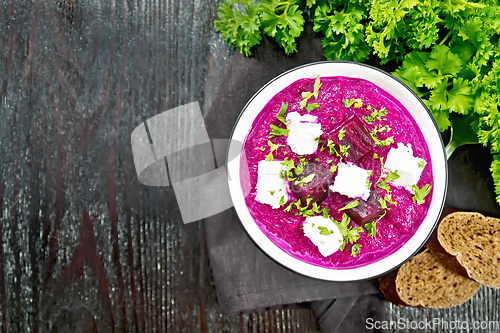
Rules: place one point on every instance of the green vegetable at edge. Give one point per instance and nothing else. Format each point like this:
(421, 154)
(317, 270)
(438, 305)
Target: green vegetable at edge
(448, 52)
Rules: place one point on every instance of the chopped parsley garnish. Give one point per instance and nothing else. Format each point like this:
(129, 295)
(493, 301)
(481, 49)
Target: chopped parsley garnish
(333, 168)
(305, 180)
(298, 169)
(420, 193)
(388, 198)
(281, 114)
(275, 130)
(421, 164)
(383, 203)
(349, 233)
(282, 201)
(384, 183)
(350, 205)
(341, 134)
(312, 106)
(355, 249)
(343, 149)
(392, 175)
(354, 102)
(378, 142)
(375, 115)
(274, 147)
(385, 128)
(333, 151)
(385, 200)
(289, 165)
(386, 142)
(262, 148)
(305, 211)
(371, 227)
(306, 94)
(324, 231)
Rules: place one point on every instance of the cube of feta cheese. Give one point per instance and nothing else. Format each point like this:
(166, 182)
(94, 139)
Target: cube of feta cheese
(351, 181)
(316, 227)
(271, 188)
(303, 133)
(408, 167)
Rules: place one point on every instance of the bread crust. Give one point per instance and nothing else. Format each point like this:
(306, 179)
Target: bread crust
(387, 285)
(424, 282)
(474, 241)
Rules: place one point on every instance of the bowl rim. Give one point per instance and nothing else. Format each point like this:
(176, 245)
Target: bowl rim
(332, 274)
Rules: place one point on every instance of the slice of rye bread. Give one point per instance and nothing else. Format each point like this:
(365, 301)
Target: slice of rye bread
(424, 282)
(474, 242)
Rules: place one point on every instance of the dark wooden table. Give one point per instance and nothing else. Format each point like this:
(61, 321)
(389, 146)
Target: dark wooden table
(84, 246)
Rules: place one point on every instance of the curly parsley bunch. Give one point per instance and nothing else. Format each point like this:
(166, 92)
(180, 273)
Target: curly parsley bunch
(241, 22)
(448, 51)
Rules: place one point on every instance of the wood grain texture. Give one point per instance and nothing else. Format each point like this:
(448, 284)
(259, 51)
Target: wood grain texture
(84, 246)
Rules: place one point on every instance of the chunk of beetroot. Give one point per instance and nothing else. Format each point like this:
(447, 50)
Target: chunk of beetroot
(317, 188)
(356, 137)
(366, 211)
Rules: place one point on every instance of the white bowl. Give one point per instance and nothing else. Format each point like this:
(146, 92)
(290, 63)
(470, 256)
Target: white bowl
(423, 119)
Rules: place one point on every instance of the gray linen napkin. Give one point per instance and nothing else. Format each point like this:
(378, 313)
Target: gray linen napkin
(245, 278)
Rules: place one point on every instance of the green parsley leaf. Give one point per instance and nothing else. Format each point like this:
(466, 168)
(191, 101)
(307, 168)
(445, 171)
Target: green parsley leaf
(388, 198)
(299, 169)
(350, 205)
(330, 144)
(371, 228)
(343, 149)
(392, 175)
(324, 231)
(349, 234)
(383, 203)
(317, 85)
(239, 29)
(262, 148)
(343, 26)
(333, 168)
(384, 183)
(355, 249)
(312, 106)
(284, 21)
(354, 102)
(325, 213)
(281, 114)
(341, 134)
(274, 147)
(306, 94)
(420, 193)
(305, 180)
(275, 130)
